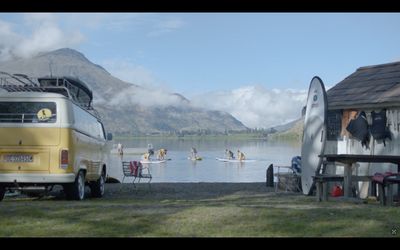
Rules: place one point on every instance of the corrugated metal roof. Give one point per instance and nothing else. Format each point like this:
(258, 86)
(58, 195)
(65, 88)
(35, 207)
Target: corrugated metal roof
(370, 86)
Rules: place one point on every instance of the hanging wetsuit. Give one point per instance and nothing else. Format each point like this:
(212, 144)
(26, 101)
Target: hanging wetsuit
(379, 130)
(358, 128)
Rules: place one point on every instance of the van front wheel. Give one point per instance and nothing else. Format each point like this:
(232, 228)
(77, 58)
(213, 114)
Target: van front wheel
(97, 187)
(2, 192)
(76, 190)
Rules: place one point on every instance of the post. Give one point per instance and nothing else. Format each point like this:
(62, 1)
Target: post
(398, 185)
(347, 180)
(373, 188)
(381, 191)
(270, 176)
(325, 190)
(319, 190)
(389, 197)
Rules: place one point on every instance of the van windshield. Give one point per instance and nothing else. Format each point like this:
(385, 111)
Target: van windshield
(28, 112)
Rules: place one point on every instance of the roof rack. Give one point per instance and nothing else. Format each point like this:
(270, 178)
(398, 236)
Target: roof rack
(73, 88)
(78, 90)
(15, 79)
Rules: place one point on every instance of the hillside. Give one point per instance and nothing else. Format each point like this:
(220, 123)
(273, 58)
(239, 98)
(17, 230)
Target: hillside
(126, 108)
(292, 130)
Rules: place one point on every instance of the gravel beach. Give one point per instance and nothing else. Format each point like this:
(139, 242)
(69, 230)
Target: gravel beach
(184, 190)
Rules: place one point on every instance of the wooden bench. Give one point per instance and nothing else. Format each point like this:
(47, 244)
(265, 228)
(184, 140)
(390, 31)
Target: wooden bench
(321, 183)
(135, 169)
(385, 181)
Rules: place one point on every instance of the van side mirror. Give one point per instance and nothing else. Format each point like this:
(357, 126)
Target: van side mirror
(109, 136)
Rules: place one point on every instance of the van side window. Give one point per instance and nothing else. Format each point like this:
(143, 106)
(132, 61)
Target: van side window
(87, 124)
(28, 112)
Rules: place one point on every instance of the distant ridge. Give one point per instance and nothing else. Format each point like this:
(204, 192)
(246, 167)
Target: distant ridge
(292, 130)
(120, 103)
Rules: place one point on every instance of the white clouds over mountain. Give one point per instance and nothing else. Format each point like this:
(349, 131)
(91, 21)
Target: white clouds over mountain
(145, 97)
(38, 33)
(128, 71)
(256, 106)
(33, 33)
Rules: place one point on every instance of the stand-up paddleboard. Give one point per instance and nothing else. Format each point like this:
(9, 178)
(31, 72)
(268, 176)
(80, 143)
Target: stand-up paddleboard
(314, 133)
(195, 159)
(152, 162)
(127, 151)
(234, 160)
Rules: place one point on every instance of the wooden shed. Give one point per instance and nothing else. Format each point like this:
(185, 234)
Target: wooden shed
(370, 88)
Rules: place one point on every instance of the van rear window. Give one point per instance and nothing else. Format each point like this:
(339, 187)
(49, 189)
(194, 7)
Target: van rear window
(28, 112)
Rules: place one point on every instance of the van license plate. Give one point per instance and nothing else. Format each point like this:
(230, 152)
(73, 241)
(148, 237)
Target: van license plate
(18, 158)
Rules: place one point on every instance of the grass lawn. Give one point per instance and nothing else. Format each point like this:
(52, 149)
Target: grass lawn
(200, 210)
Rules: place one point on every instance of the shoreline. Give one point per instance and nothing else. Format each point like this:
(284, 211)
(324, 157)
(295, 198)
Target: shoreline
(185, 189)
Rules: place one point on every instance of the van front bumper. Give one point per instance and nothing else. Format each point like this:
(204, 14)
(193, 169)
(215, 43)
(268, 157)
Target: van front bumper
(37, 178)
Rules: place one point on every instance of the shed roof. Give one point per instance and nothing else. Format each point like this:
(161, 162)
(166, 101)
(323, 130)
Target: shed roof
(374, 86)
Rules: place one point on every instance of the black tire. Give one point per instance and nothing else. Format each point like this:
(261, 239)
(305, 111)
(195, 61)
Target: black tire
(2, 192)
(76, 190)
(97, 187)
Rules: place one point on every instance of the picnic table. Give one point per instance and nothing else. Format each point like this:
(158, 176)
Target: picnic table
(349, 159)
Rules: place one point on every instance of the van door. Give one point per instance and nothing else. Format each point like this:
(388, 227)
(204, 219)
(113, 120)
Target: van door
(28, 132)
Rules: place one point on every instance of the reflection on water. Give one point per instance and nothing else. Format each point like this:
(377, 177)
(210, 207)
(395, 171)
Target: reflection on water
(181, 169)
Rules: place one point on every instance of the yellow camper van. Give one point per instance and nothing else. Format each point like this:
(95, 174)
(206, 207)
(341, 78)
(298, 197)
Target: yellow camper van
(50, 135)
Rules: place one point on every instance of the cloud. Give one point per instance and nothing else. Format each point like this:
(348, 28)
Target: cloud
(130, 72)
(149, 97)
(7, 41)
(150, 92)
(256, 106)
(39, 33)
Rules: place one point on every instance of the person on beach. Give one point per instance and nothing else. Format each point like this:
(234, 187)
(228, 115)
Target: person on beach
(241, 156)
(229, 154)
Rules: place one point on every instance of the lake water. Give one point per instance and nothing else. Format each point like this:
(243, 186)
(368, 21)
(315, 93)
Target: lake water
(180, 169)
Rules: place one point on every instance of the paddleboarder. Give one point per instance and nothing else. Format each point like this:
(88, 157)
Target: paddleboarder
(229, 154)
(241, 156)
(193, 153)
(146, 156)
(120, 149)
(150, 149)
(161, 154)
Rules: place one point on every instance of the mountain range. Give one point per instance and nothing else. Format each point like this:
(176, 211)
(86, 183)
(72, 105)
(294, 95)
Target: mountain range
(126, 108)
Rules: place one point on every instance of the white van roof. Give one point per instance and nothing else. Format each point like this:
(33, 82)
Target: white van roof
(30, 95)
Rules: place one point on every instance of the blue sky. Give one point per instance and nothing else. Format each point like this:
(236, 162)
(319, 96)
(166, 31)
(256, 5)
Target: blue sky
(221, 51)
(204, 54)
